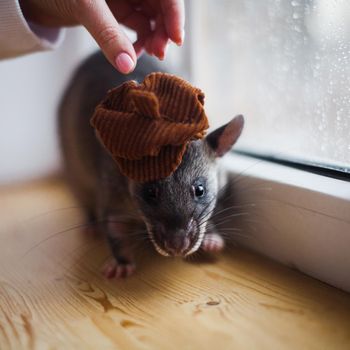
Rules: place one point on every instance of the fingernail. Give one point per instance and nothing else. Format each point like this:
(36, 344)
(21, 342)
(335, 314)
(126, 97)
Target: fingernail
(124, 63)
(182, 38)
(162, 56)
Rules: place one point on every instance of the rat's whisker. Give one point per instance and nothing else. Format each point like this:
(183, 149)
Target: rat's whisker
(230, 234)
(218, 212)
(207, 215)
(224, 210)
(73, 227)
(205, 208)
(233, 229)
(222, 219)
(53, 211)
(228, 219)
(58, 233)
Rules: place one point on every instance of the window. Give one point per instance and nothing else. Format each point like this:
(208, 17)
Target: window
(286, 66)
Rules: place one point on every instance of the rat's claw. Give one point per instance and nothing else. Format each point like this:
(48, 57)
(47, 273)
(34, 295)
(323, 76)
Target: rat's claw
(212, 243)
(115, 269)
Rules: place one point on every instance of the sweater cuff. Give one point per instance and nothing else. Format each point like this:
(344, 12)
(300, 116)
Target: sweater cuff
(18, 37)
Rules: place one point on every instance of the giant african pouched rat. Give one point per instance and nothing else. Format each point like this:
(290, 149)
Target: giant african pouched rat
(175, 211)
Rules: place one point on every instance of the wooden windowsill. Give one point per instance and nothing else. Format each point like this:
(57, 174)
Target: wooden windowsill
(52, 294)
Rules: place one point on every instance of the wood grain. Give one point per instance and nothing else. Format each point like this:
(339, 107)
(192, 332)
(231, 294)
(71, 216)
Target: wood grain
(52, 295)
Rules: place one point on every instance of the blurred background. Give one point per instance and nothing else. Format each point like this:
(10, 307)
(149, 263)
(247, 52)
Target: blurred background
(283, 64)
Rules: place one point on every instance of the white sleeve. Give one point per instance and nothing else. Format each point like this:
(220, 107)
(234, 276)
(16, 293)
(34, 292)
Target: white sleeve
(18, 37)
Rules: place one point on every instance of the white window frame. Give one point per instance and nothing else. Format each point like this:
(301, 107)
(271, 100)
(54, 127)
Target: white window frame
(296, 217)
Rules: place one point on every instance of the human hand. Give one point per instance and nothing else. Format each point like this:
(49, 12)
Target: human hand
(155, 22)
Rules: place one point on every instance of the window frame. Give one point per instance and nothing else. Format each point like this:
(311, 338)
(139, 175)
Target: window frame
(296, 217)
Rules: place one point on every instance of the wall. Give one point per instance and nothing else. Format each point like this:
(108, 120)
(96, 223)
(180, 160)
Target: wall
(30, 88)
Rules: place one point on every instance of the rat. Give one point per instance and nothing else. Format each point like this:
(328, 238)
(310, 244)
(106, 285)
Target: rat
(173, 213)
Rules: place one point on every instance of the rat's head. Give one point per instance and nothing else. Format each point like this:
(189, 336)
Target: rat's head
(176, 209)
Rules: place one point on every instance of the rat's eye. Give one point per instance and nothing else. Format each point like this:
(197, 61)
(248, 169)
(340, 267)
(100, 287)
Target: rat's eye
(151, 192)
(198, 190)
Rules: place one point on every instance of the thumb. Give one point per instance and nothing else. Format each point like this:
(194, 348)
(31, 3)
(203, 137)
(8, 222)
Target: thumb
(98, 19)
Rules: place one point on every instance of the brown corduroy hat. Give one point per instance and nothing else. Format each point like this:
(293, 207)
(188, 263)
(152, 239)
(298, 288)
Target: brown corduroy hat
(146, 127)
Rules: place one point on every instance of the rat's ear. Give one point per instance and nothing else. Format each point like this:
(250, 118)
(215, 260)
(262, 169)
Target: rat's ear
(222, 139)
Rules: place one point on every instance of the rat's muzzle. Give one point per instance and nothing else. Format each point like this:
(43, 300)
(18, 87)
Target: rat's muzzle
(175, 241)
(177, 245)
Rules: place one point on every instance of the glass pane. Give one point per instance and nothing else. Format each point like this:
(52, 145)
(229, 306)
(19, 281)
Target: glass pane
(283, 64)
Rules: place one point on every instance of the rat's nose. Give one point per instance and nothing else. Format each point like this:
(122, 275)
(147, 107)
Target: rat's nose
(177, 245)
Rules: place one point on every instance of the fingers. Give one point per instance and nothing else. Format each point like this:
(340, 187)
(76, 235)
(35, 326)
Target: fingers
(136, 20)
(174, 19)
(100, 19)
(142, 27)
(159, 39)
(168, 18)
(103, 26)
(139, 46)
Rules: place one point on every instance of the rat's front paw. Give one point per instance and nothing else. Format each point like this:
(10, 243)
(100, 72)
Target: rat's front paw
(119, 268)
(212, 243)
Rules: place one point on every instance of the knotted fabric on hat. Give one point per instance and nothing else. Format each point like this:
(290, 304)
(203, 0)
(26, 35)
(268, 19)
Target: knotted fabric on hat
(146, 127)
